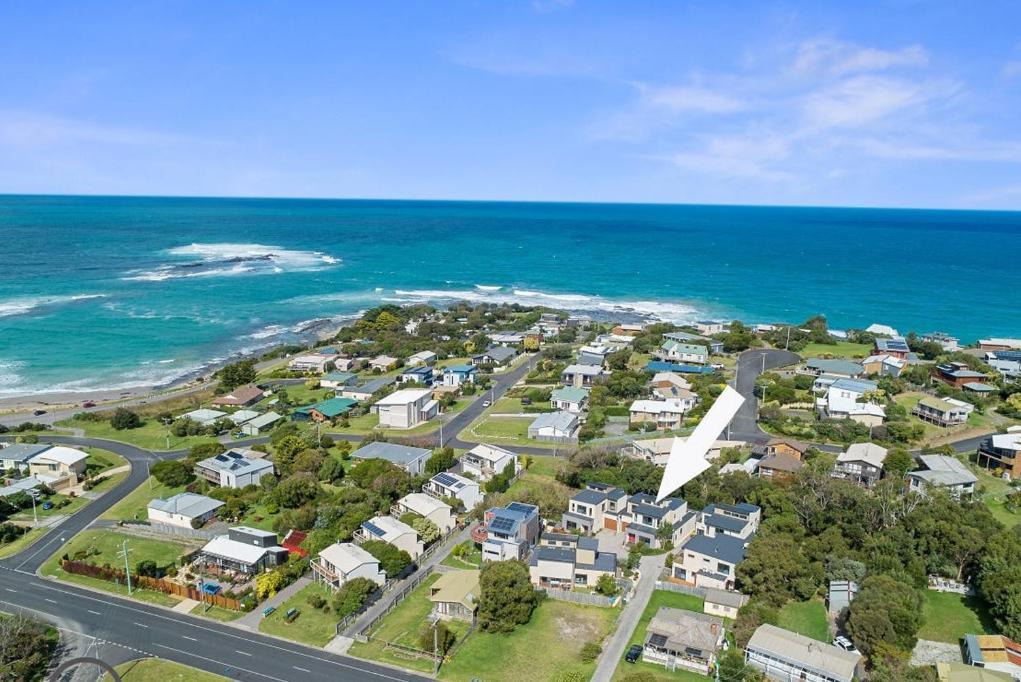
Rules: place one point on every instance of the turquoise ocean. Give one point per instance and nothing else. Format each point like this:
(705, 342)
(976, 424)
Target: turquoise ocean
(103, 292)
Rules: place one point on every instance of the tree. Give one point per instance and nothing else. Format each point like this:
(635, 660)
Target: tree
(268, 584)
(776, 569)
(898, 463)
(607, 586)
(205, 450)
(886, 611)
(438, 638)
(352, 596)
(123, 418)
(441, 460)
(332, 470)
(392, 560)
(308, 461)
(236, 374)
(172, 473)
(296, 491)
(731, 666)
(749, 618)
(530, 344)
(285, 452)
(506, 597)
(381, 476)
(426, 529)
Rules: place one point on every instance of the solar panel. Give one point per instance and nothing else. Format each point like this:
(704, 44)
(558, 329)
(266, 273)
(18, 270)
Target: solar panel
(373, 528)
(501, 523)
(445, 479)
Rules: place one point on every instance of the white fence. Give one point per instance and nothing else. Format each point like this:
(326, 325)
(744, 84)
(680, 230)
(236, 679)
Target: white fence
(581, 597)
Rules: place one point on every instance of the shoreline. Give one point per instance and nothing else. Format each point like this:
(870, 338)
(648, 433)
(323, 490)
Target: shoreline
(317, 331)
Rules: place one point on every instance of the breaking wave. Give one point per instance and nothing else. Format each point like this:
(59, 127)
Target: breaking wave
(21, 306)
(230, 260)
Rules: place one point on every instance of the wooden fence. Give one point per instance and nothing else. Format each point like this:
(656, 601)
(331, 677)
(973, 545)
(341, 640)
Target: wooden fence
(145, 582)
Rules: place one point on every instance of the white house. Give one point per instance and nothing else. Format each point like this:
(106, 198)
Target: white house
(406, 408)
(665, 414)
(184, 510)
(554, 427)
(710, 327)
(939, 471)
(204, 416)
(232, 469)
(676, 351)
(391, 531)
(446, 485)
(57, 464)
(581, 376)
(382, 362)
(570, 399)
(17, 455)
(427, 507)
(843, 396)
(485, 461)
(316, 363)
(425, 357)
(406, 457)
(343, 561)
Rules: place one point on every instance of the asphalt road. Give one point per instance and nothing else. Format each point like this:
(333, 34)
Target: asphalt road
(750, 365)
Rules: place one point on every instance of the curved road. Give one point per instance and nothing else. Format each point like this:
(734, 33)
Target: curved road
(750, 365)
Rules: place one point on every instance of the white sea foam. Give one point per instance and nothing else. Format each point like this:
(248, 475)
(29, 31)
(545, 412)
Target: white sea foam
(229, 260)
(20, 306)
(487, 287)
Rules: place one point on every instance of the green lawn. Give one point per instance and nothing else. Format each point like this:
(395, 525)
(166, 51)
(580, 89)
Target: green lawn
(473, 560)
(151, 435)
(807, 618)
(994, 495)
(216, 613)
(300, 394)
(74, 504)
(160, 670)
(100, 460)
(546, 466)
(842, 349)
(315, 627)
(547, 646)
(660, 598)
(21, 543)
(503, 431)
(135, 505)
(403, 626)
(109, 543)
(949, 616)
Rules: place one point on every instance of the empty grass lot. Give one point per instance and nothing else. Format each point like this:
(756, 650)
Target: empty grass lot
(160, 670)
(151, 435)
(547, 647)
(315, 627)
(807, 618)
(660, 598)
(841, 349)
(135, 505)
(949, 617)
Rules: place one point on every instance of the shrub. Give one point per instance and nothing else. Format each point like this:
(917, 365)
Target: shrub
(316, 601)
(590, 652)
(123, 418)
(439, 638)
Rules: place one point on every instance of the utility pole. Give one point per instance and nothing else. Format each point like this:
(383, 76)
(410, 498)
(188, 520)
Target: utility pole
(147, 475)
(127, 568)
(786, 346)
(436, 646)
(166, 423)
(34, 515)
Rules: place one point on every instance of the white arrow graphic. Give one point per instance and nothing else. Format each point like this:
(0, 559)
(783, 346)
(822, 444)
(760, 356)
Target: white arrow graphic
(687, 457)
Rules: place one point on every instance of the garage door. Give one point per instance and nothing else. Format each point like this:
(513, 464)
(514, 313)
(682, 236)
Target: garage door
(610, 524)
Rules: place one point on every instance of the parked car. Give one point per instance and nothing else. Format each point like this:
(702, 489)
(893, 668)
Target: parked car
(38, 412)
(485, 403)
(526, 401)
(844, 643)
(88, 403)
(634, 652)
(47, 505)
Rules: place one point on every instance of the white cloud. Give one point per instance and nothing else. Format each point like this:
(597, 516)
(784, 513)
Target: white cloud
(738, 156)
(1012, 69)
(864, 100)
(841, 58)
(687, 99)
(30, 130)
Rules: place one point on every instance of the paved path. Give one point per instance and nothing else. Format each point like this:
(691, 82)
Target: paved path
(251, 619)
(185, 605)
(387, 599)
(650, 568)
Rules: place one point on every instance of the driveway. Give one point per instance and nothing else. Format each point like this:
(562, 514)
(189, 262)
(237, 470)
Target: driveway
(609, 541)
(613, 652)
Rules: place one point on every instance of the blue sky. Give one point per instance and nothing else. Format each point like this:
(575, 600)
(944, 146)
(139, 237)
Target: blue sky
(900, 103)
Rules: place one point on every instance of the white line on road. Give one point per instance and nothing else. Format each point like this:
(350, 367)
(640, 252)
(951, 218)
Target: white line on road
(189, 638)
(221, 663)
(94, 612)
(141, 625)
(52, 601)
(304, 670)
(243, 653)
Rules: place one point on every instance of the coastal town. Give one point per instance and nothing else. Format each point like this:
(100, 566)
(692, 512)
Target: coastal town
(469, 493)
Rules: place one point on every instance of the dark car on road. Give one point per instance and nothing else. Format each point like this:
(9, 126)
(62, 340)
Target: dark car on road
(634, 652)
(38, 412)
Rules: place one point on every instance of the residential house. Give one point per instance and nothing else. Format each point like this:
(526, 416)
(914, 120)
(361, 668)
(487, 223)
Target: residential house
(455, 595)
(573, 562)
(406, 408)
(456, 375)
(676, 638)
(843, 396)
(204, 416)
(383, 363)
(999, 344)
(17, 455)
(1001, 452)
(670, 385)
(345, 364)
(27, 484)
(412, 460)
(581, 376)
(839, 595)
(884, 365)
(596, 507)
(450, 485)
(739, 520)
(338, 380)
(723, 603)
(676, 351)
(262, 423)
(778, 467)
(233, 469)
(836, 367)
(324, 410)
(946, 341)
(956, 374)
(184, 510)
(242, 396)
(242, 416)
(426, 506)
(417, 374)
(391, 531)
(862, 463)
(896, 346)
(569, 399)
(495, 355)
(940, 471)
(507, 338)
(313, 363)
(657, 450)
(366, 390)
(555, 427)
(594, 354)
(243, 550)
(784, 656)
(486, 461)
(666, 415)
(942, 411)
(508, 532)
(709, 561)
(993, 652)
(867, 414)
(789, 447)
(344, 561)
(58, 466)
(710, 327)
(882, 330)
(652, 523)
(628, 329)
(425, 357)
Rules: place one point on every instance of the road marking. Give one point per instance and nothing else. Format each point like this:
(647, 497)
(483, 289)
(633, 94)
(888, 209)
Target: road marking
(221, 663)
(243, 653)
(304, 670)
(94, 612)
(52, 601)
(191, 638)
(141, 625)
